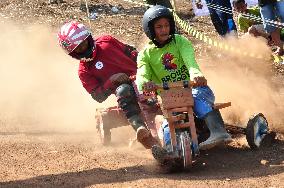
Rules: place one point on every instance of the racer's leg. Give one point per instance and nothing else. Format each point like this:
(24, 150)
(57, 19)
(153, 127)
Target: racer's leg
(127, 101)
(166, 133)
(203, 108)
(159, 153)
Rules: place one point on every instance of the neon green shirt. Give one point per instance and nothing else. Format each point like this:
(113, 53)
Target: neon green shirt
(245, 22)
(173, 62)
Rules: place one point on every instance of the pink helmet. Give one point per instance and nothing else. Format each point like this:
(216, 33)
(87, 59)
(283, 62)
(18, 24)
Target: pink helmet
(71, 35)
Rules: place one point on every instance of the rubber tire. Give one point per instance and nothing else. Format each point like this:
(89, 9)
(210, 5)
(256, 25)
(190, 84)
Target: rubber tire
(250, 133)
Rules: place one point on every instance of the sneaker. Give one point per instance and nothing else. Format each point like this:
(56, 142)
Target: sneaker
(142, 133)
(145, 137)
(159, 153)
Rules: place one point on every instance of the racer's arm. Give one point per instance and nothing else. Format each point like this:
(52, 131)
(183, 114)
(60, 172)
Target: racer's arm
(99, 91)
(100, 94)
(187, 53)
(127, 49)
(144, 71)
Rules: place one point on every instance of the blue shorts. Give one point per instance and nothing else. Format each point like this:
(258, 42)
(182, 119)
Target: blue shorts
(203, 101)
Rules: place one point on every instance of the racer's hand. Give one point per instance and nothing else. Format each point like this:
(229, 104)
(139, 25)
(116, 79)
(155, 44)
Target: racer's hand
(119, 78)
(200, 81)
(149, 86)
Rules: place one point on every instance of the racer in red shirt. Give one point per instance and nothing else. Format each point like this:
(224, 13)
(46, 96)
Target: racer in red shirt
(104, 69)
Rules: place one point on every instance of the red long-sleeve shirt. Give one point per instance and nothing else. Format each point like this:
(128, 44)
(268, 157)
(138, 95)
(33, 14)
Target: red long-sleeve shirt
(110, 57)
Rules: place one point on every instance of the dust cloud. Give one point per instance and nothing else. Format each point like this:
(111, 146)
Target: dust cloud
(40, 88)
(246, 82)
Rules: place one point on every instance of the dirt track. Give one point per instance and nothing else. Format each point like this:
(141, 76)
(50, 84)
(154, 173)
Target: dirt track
(59, 160)
(47, 135)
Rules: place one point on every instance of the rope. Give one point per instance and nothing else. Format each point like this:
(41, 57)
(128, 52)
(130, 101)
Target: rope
(200, 36)
(252, 17)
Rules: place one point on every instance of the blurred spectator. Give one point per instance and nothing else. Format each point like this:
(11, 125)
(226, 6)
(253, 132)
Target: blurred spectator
(249, 20)
(222, 20)
(273, 10)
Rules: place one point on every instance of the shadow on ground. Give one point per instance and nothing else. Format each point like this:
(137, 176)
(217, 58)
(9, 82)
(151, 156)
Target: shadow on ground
(217, 164)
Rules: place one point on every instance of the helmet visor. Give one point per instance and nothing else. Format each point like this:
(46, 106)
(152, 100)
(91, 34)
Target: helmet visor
(84, 50)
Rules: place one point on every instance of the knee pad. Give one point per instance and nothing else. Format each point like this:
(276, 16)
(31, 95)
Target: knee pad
(127, 101)
(124, 90)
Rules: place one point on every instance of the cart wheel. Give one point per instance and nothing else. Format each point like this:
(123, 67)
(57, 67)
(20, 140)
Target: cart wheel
(257, 132)
(186, 150)
(105, 135)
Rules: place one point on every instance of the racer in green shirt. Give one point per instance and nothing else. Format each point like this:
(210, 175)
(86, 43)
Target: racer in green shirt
(169, 57)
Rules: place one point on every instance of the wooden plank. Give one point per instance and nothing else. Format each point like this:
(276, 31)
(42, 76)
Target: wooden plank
(221, 105)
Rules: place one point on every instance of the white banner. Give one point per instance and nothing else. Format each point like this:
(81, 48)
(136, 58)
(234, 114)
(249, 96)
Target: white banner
(204, 11)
